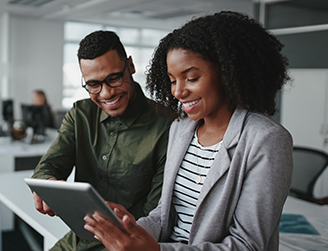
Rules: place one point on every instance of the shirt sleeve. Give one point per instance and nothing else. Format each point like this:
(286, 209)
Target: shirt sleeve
(157, 180)
(59, 160)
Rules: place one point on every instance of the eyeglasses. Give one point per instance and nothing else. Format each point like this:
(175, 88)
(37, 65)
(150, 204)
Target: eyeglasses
(112, 80)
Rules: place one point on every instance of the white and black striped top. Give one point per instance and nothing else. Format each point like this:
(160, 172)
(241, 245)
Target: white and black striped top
(197, 161)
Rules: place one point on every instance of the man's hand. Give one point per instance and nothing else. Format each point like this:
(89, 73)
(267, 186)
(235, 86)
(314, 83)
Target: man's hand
(41, 206)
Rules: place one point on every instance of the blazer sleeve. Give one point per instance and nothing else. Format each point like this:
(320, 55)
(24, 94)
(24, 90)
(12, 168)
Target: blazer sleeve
(152, 222)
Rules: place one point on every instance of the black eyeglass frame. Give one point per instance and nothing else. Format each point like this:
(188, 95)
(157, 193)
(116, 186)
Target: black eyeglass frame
(110, 76)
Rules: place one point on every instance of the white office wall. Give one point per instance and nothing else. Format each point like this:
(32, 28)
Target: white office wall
(36, 60)
(304, 113)
(303, 107)
(0, 38)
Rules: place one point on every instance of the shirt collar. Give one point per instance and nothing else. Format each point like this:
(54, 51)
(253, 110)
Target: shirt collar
(133, 110)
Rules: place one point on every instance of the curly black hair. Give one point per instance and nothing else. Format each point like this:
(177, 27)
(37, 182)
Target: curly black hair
(98, 43)
(249, 61)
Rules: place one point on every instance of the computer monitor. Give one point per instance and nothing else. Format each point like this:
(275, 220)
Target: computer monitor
(33, 117)
(8, 110)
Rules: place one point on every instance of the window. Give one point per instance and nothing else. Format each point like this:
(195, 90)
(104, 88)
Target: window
(138, 42)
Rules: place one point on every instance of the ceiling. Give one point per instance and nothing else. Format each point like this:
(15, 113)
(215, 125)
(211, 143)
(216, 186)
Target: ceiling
(136, 13)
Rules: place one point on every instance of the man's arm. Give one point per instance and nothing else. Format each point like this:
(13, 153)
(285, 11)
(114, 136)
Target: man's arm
(157, 180)
(59, 160)
(59, 155)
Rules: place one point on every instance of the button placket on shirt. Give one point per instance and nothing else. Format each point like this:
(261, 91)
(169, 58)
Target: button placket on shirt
(113, 134)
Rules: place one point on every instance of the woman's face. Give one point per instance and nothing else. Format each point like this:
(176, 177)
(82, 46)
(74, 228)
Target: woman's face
(38, 99)
(196, 84)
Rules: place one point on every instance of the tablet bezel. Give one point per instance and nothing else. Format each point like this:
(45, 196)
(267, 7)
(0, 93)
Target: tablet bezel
(72, 201)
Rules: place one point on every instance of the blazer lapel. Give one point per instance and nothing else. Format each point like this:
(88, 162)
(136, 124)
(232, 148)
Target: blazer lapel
(222, 161)
(177, 153)
(182, 139)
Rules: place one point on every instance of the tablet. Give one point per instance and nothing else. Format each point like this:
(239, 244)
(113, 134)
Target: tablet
(72, 201)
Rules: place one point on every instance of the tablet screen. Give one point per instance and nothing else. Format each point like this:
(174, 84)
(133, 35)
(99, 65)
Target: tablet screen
(72, 201)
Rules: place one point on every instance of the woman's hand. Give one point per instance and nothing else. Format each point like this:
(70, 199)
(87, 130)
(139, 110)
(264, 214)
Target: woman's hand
(114, 238)
(120, 211)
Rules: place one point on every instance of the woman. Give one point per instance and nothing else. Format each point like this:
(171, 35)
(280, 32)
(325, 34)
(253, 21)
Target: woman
(229, 165)
(39, 99)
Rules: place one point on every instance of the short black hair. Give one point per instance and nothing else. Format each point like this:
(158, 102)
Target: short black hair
(248, 58)
(98, 43)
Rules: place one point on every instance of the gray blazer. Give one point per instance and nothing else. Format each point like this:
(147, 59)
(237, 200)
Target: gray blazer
(241, 201)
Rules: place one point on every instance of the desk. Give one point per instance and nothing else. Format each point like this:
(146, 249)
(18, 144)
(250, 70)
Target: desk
(9, 150)
(316, 215)
(17, 196)
(311, 211)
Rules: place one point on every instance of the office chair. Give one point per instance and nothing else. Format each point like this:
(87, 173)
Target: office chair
(309, 164)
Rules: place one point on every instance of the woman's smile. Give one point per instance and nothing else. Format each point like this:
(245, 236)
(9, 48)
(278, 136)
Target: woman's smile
(190, 105)
(196, 84)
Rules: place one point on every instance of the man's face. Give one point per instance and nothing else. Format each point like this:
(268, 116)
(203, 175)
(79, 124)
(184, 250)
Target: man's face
(113, 101)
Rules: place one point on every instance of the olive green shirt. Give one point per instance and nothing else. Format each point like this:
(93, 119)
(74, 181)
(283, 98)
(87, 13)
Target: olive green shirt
(122, 157)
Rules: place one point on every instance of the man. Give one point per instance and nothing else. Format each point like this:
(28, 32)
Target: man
(114, 139)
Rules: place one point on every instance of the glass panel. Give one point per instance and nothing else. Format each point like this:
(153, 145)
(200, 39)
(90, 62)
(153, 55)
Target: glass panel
(112, 28)
(146, 54)
(151, 37)
(129, 35)
(77, 31)
(138, 76)
(70, 52)
(133, 52)
(73, 90)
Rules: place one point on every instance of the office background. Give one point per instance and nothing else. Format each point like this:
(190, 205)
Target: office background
(33, 46)
(33, 41)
